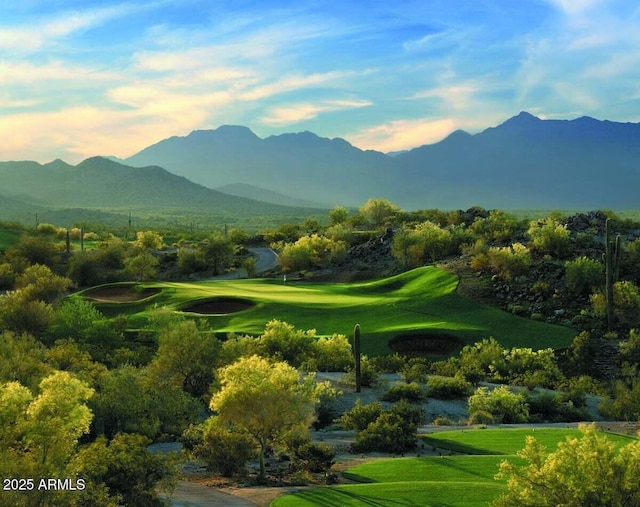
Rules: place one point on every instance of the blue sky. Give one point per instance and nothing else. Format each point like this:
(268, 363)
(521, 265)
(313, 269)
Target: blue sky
(84, 78)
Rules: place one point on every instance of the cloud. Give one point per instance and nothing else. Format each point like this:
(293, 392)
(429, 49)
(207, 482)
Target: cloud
(39, 33)
(295, 113)
(403, 134)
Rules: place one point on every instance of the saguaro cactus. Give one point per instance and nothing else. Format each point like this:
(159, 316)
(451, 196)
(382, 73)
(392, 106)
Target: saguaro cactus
(612, 267)
(356, 356)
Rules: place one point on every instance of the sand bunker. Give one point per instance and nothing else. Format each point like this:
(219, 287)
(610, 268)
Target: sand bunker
(119, 294)
(220, 306)
(425, 343)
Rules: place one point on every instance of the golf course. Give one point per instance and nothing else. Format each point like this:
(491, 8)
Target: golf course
(464, 479)
(418, 311)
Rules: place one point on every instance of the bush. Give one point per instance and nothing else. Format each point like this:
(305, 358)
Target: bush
(410, 392)
(583, 274)
(222, 450)
(310, 457)
(447, 388)
(394, 430)
(360, 416)
(550, 407)
(390, 363)
(550, 237)
(503, 405)
(368, 374)
(415, 370)
(509, 261)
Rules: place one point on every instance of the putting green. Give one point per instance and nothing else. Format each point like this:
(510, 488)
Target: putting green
(421, 302)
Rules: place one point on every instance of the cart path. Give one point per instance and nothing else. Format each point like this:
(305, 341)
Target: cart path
(192, 494)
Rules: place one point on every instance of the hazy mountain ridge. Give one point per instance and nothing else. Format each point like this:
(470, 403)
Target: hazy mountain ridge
(103, 183)
(525, 162)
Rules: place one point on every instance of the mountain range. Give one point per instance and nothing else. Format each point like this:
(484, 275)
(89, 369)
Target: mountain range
(524, 163)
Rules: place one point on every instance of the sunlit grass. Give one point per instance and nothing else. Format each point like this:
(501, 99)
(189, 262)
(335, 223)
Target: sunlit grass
(422, 300)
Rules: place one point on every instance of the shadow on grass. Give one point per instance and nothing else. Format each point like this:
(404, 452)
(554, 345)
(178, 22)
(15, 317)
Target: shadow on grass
(450, 445)
(339, 497)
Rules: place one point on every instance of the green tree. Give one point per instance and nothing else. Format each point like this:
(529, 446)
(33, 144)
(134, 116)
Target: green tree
(123, 472)
(22, 359)
(266, 400)
(35, 249)
(218, 252)
(142, 266)
(148, 240)
(186, 355)
(379, 212)
(250, 266)
(583, 472)
(338, 215)
(39, 434)
(38, 282)
(503, 405)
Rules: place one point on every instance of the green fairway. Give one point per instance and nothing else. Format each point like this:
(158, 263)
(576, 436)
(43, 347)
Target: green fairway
(439, 480)
(506, 441)
(8, 238)
(420, 302)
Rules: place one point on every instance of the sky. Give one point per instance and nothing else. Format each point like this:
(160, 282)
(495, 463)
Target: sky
(98, 77)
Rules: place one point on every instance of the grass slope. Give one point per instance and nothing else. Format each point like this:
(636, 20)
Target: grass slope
(8, 238)
(423, 300)
(436, 481)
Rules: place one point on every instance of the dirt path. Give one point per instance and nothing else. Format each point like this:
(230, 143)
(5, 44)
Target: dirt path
(193, 494)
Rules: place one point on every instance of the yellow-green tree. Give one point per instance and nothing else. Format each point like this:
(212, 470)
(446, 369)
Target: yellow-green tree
(39, 434)
(590, 471)
(265, 399)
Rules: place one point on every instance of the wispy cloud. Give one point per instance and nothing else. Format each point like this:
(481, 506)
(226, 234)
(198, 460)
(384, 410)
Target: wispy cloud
(40, 33)
(295, 113)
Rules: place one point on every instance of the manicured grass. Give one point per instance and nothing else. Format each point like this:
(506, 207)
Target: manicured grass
(8, 238)
(419, 301)
(440, 480)
(506, 440)
(428, 494)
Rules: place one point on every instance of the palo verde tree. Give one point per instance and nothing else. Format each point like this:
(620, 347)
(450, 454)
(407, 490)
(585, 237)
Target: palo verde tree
(583, 472)
(267, 400)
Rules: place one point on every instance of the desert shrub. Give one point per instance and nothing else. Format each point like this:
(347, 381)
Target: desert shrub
(311, 457)
(531, 368)
(626, 303)
(479, 361)
(503, 405)
(191, 260)
(550, 237)
(325, 408)
(583, 274)
(390, 363)
(410, 392)
(497, 226)
(369, 376)
(509, 261)
(394, 430)
(623, 403)
(7, 276)
(550, 407)
(415, 369)
(481, 417)
(360, 416)
(447, 388)
(310, 251)
(221, 449)
(83, 269)
(331, 354)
